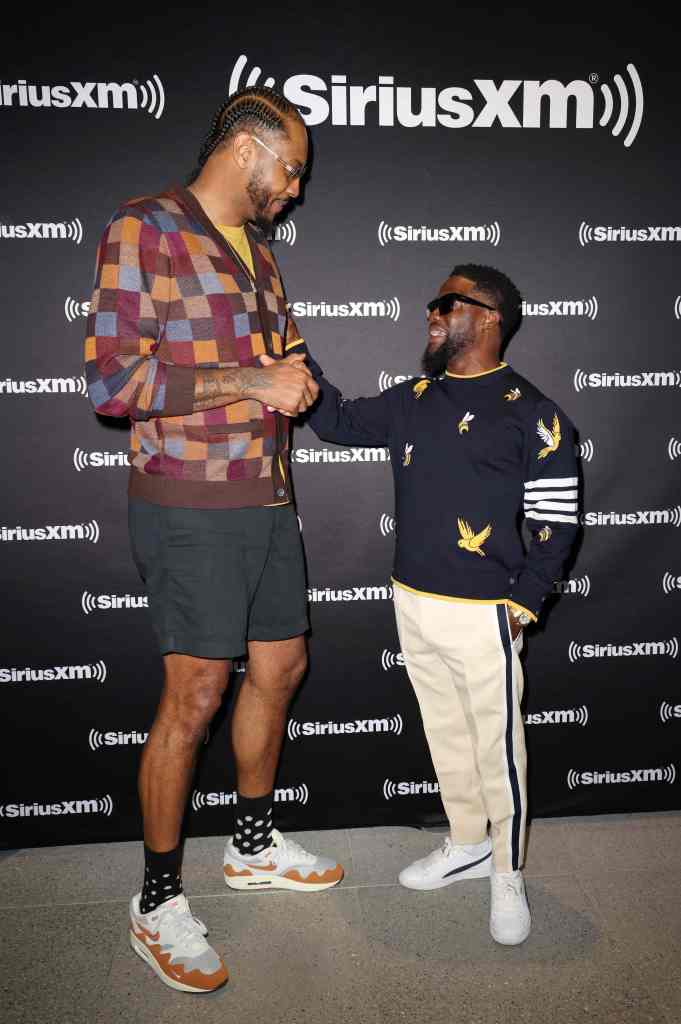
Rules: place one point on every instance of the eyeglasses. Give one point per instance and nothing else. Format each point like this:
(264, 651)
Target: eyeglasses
(291, 172)
(445, 303)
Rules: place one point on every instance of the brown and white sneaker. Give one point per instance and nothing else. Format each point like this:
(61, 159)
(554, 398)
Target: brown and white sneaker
(172, 941)
(283, 865)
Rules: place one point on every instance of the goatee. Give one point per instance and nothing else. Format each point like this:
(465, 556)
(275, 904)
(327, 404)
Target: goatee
(434, 361)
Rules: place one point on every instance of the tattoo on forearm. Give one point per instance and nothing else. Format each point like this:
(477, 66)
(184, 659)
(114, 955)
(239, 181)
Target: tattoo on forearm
(231, 385)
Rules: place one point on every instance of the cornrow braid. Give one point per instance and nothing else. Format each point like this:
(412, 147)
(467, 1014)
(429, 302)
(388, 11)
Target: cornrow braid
(251, 108)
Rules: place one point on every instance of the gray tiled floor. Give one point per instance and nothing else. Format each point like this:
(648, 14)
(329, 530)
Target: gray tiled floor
(605, 947)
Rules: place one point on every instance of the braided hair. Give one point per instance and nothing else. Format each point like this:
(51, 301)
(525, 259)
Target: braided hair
(247, 110)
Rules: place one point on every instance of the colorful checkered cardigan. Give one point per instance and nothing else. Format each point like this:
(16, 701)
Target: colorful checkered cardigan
(170, 297)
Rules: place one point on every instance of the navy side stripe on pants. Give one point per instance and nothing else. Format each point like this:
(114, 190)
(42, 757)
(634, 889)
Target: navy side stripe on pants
(512, 773)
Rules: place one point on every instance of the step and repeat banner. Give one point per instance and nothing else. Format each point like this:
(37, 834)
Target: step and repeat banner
(549, 152)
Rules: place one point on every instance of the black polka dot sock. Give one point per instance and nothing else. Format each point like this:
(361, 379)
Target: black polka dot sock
(253, 823)
(162, 878)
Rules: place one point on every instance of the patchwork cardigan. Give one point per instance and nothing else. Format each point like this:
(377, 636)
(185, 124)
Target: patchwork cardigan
(170, 297)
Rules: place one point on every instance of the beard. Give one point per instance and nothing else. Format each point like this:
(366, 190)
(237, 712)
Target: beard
(261, 199)
(435, 361)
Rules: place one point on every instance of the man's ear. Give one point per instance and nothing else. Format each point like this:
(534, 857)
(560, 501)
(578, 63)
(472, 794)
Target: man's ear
(242, 149)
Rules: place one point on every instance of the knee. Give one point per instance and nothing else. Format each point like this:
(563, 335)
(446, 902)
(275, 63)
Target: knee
(292, 676)
(196, 698)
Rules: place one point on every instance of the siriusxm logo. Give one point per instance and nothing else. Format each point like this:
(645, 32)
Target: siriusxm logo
(305, 456)
(70, 230)
(584, 450)
(287, 794)
(95, 805)
(97, 740)
(389, 308)
(386, 525)
(73, 310)
(111, 602)
(483, 103)
(608, 233)
(649, 517)
(669, 711)
(44, 386)
(392, 789)
(567, 716)
(99, 460)
(611, 778)
(642, 649)
(388, 233)
(389, 380)
(670, 583)
(357, 727)
(563, 307)
(321, 595)
(580, 586)
(391, 659)
(674, 449)
(148, 96)
(647, 379)
(80, 531)
(55, 673)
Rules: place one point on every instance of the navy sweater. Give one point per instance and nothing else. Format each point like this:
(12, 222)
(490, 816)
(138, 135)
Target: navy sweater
(470, 455)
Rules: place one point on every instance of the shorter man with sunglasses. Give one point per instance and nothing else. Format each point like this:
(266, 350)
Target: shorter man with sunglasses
(473, 445)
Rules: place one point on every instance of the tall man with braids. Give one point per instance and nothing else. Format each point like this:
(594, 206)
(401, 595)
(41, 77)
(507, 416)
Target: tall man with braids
(187, 298)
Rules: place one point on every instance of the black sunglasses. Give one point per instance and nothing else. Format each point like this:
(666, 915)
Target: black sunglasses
(445, 303)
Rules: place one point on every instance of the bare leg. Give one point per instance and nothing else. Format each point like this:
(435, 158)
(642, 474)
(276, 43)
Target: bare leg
(275, 670)
(192, 693)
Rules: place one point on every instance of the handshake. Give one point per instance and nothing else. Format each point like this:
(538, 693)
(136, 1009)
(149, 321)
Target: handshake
(284, 385)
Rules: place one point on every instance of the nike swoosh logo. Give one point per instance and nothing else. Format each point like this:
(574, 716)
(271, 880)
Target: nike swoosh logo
(465, 867)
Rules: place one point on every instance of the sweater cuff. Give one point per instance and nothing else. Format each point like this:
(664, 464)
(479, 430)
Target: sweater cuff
(180, 384)
(527, 596)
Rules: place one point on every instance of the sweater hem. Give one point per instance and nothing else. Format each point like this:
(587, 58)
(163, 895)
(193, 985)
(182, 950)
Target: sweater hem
(172, 493)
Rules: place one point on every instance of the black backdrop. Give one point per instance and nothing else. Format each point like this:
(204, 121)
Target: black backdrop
(432, 145)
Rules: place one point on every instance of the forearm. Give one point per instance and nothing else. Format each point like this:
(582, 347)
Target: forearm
(217, 387)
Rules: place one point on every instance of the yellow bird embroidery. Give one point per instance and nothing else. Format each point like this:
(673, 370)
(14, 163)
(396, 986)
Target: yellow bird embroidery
(420, 387)
(550, 437)
(408, 449)
(513, 395)
(544, 534)
(463, 423)
(473, 541)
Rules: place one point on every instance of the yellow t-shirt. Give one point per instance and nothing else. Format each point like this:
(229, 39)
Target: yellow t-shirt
(238, 239)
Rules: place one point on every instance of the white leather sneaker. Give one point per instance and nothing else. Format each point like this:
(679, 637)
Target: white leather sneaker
(448, 864)
(509, 920)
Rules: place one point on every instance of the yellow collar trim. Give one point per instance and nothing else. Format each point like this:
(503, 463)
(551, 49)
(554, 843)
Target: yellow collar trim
(470, 376)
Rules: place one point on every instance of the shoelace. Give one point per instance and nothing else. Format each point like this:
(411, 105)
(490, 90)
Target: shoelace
(183, 928)
(290, 848)
(507, 888)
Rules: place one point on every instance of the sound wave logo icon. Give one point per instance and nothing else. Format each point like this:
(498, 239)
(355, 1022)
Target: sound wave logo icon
(669, 711)
(388, 380)
(386, 524)
(152, 96)
(88, 602)
(677, 307)
(389, 789)
(674, 449)
(624, 105)
(390, 659)
(73, 310)
(585, 450)
(286, 232)
(486, 233)
(237, 71)
(670, 583)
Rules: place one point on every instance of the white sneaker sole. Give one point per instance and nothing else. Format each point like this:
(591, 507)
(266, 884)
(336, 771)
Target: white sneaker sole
(482, 870)
(254, 882)
(149, 958)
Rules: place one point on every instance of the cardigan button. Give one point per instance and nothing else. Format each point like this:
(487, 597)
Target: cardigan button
(280, 492)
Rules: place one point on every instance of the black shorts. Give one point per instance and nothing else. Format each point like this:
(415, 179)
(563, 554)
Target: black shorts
(219, 578)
